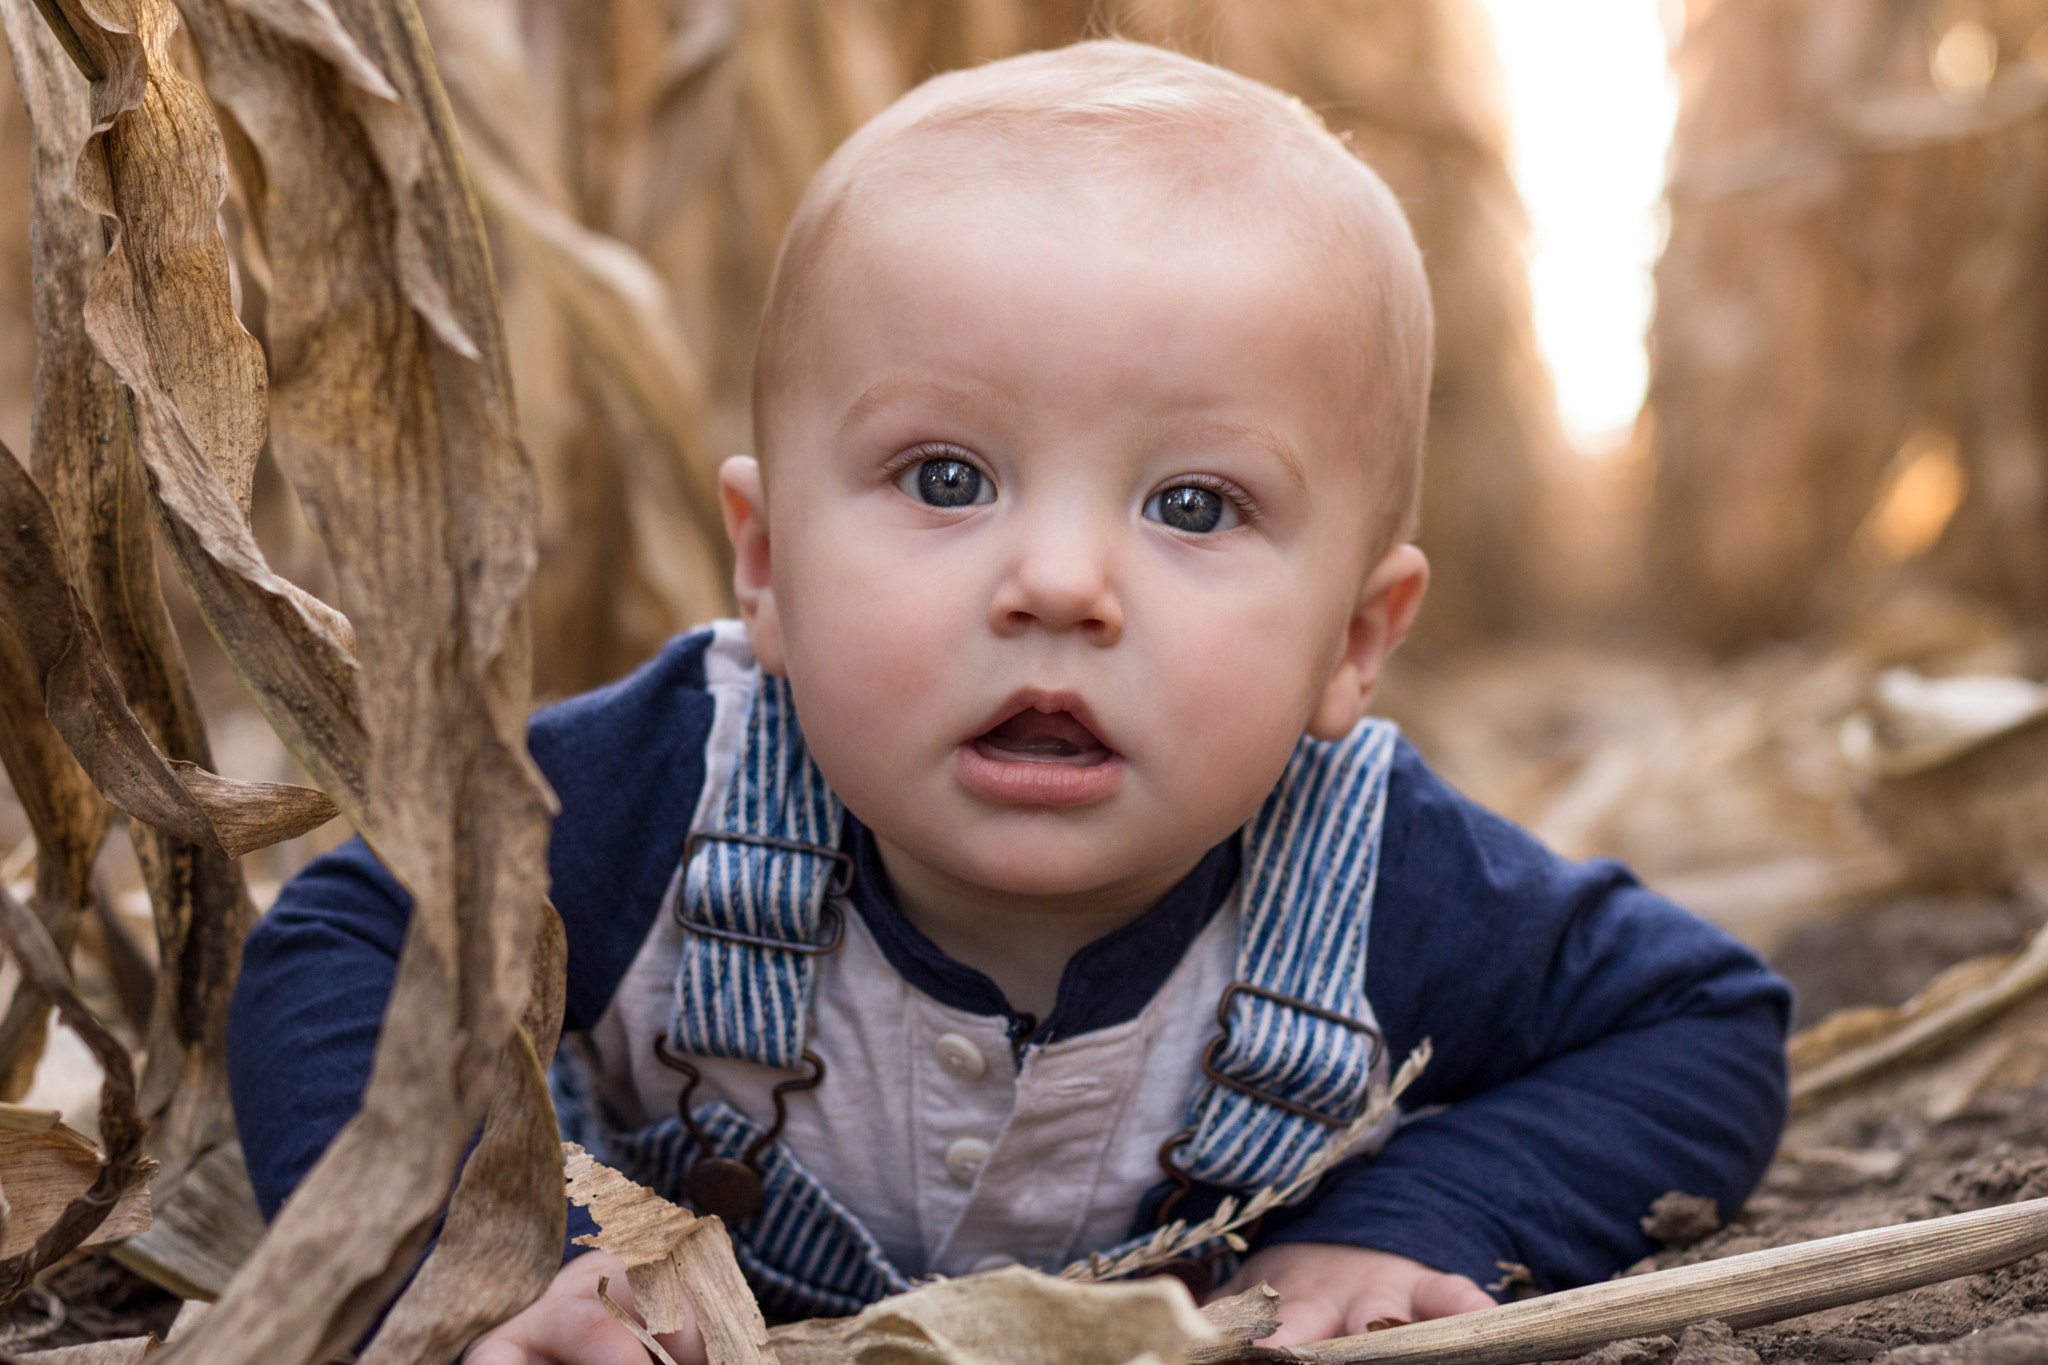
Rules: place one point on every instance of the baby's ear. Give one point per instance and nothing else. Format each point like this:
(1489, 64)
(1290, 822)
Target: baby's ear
(743, 499)
(1386, 609)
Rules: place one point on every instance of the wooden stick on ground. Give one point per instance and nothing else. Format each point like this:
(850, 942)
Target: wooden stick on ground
(1742, 1291)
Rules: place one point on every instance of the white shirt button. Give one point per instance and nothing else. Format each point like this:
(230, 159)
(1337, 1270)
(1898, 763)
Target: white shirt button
(988, 1263)
(965, 1158)
(959, 1057)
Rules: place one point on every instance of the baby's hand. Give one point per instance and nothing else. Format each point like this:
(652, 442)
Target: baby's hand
(568, 1326)
(1339, 1291)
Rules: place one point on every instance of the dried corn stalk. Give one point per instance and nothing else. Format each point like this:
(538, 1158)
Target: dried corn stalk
(41, 1171)
(392, 415)
(681, 1267)
(1853, 259)
(123, 1168)
(86, 624)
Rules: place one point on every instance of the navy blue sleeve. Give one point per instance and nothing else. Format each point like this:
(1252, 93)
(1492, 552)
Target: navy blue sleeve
(1593, 1046)
(627, 763)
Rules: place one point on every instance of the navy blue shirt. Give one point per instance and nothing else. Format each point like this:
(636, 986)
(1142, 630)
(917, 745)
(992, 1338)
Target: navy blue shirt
(1594, 1045)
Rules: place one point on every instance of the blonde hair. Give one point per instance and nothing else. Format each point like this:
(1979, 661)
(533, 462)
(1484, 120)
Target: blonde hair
(1113, 105)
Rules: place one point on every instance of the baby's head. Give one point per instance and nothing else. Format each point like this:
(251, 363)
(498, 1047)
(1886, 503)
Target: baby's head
(1089, 409)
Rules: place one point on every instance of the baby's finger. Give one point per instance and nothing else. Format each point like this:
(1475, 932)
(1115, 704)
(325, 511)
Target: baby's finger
(498, 1353)
(1378, 1307)
(1443, 1296)
(686, 1346)
(1304, 1320)
(578, 1332)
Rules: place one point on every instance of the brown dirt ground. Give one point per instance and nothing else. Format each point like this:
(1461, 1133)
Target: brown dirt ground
(1993, 1152)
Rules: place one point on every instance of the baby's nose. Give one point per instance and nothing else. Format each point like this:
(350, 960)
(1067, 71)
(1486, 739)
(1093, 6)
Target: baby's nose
(1059, 584)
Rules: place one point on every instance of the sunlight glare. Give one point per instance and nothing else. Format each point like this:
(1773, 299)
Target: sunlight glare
(1593, 101)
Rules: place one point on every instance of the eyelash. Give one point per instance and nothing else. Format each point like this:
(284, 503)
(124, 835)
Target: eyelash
(1247, 506)
(930, 450)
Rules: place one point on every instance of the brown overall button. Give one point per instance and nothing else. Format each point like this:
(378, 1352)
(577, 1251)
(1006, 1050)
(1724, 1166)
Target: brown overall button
(724, 1188)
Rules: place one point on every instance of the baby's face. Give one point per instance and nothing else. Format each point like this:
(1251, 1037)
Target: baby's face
(1067, 526)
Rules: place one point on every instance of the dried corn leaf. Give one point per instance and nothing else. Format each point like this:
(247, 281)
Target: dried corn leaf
(1004, 1317)
(680, 1266)
(1244, 1318)
(204, 1227)
(74, 396)
(1968, 1032)
(125, 1351)
(107, 591)
(632, 1324)
(68, 817)
(69, 820)
(502, 1242)
(42, 1172)
(47, 617)
(158, 312)
(403, 450)
(622, 319)
(1846, 1049)
(22, 1118)
(634, 1223)
(708, 1275)
(123, 1167)
(615, 392)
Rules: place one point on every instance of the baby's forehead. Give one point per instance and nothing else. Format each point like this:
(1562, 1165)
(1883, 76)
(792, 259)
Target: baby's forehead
(1161, 177)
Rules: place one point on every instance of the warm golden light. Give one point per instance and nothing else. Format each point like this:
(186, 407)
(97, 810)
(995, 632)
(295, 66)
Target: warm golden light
(1921, 490)
(1593, 103)
(1963, 61)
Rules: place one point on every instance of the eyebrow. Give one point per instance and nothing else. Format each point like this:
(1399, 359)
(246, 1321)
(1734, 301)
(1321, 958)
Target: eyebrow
(898, 388)
(1264, 437)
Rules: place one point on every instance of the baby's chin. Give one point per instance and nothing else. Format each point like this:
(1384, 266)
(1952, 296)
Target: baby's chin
(1048, 854)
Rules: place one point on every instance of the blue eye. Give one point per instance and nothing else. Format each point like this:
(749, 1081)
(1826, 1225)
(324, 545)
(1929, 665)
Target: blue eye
(1193, 508)
(946, 482)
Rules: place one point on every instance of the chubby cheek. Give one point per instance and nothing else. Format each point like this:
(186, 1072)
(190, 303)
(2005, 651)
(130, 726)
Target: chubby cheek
(1225, 705)
(869, 640)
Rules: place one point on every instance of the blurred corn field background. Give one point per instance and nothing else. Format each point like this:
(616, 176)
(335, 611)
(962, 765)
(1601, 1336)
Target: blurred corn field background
(1781, 649)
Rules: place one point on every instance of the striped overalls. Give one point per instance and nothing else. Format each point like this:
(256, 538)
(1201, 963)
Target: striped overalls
(1263, 1044)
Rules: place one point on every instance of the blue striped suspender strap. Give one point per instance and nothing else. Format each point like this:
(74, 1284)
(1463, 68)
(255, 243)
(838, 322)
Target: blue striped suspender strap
(755, 898)
(762, 897)
(1299, 1044)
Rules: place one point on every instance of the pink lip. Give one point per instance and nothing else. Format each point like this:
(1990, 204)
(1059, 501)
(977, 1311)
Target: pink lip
(1049, 765)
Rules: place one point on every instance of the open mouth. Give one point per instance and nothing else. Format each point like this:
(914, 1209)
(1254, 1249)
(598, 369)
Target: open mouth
(1034, 736)
(1041, 749)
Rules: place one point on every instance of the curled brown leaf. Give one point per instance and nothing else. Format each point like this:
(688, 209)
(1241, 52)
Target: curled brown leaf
(502, 1242)
(43, 611)
(122, 1167)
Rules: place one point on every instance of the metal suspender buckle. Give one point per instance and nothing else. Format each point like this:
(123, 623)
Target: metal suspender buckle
(718, 1184)
(1266, 1097)
(829, 912)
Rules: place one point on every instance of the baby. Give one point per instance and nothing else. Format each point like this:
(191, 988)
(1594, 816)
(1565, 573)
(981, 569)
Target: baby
(1089, 407)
